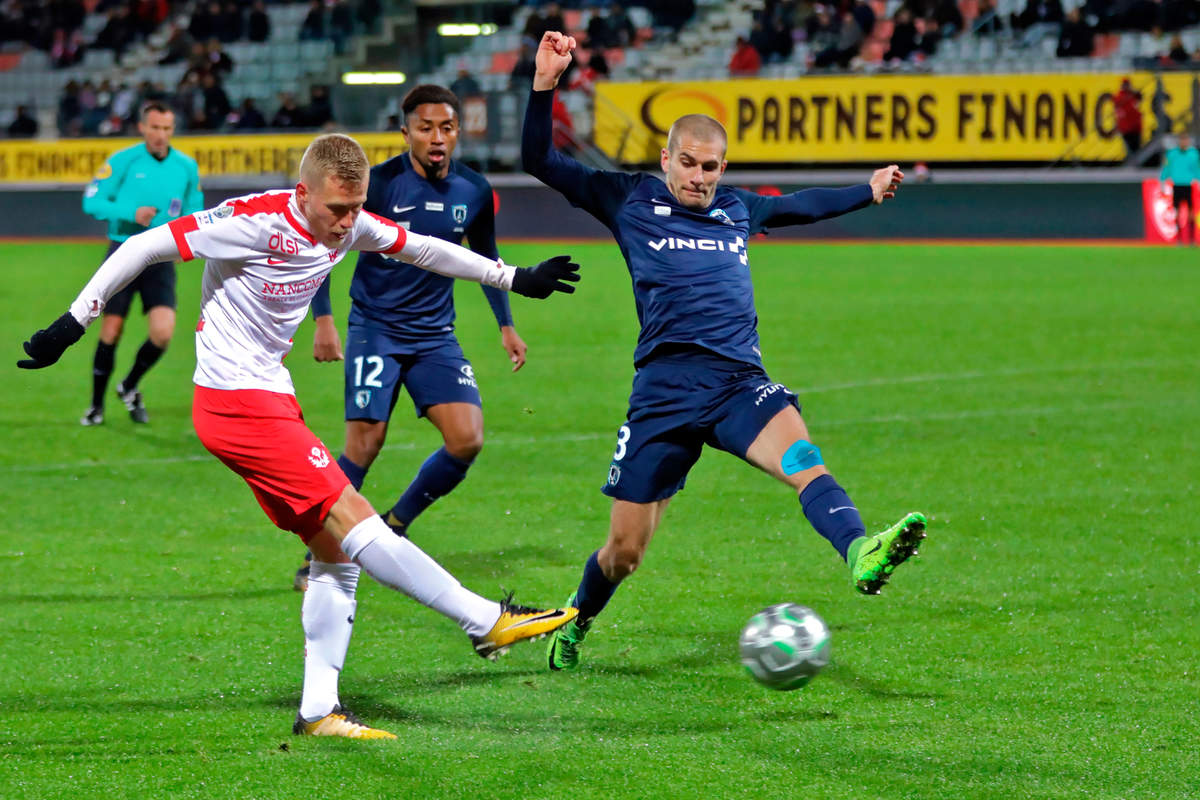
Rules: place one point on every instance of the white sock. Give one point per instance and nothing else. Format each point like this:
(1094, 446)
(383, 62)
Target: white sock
(396, 562)
(327, 615)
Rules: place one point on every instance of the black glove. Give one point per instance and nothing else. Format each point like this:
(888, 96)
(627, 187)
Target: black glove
(47, 345)
(546, 278)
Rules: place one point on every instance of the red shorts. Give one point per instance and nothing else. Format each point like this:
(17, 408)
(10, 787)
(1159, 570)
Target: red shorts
(261, 436)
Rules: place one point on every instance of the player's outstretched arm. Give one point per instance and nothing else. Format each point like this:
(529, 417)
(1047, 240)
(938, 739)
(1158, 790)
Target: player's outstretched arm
(127, 262)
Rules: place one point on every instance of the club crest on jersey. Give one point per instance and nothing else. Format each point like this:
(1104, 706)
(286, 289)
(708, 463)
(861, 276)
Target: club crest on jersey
(319, 458)
(460, 212)
(719, 214)
(362, 397)
(614, 475)
(222, 212)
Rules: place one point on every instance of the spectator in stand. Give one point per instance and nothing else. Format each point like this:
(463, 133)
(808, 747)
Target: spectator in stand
(465, 84)
(849, 41)
(67, 48)
(904, 36)
(341, 25)
(596, 70)
(23, 126)
(745, 60)
(188, 100)
(928, 36)
(203, 24)
(228, 26)
(1127, 106)
(148, 15)
(217, 60)
(288, 115)
(599, 35)
(368, 13)
(864, 16)
(117, 33)
(70, 112)
(1075, 39)
(393, 123)
(563, 127)
(783, 44)
(177, 47)
(313, 27)
(249, 118)
(547, 18)
(1181, 169)
(988, 23)
(216, 102)
(1177, 55)
(669, 14)
(760, 40)
(621, 25)
(258, 23)
(949, 18)
(319, 111)
(521, 77)
(1038, 12)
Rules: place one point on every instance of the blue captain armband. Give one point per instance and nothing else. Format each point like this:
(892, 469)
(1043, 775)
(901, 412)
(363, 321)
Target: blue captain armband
(800, 456)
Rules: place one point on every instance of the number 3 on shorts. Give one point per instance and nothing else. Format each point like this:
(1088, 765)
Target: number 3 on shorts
(622, 439)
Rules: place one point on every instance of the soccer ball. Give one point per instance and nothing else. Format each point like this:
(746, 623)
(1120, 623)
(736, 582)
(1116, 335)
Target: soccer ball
(785, 646)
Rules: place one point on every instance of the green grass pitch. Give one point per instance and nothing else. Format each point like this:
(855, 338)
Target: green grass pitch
(1039, 403)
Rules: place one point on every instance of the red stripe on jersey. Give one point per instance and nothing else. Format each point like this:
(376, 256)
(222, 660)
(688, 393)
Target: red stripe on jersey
(272, 203)
(401, 235)
(179, 229)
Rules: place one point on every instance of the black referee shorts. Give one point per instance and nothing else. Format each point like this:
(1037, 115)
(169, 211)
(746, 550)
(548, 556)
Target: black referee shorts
(156, 285)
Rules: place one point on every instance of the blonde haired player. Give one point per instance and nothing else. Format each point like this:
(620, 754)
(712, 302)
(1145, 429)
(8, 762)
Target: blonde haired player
(265, 256)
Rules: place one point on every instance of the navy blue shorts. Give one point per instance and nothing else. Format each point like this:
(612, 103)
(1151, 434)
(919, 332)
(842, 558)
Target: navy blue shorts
(681, 402)
(156, 285)
(378, 364)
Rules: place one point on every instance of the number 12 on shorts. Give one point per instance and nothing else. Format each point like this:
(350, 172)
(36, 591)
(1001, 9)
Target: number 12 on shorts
(374, 367)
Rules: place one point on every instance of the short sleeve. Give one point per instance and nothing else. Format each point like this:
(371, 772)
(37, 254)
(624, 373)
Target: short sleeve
(215, 233)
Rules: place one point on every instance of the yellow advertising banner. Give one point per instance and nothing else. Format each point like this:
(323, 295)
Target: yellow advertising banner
(78, 160)
(888, 118)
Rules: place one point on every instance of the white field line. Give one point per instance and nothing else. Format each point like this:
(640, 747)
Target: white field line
(568, 438)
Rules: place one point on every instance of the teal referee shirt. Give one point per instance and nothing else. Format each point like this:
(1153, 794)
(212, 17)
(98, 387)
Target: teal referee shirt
(132, 178)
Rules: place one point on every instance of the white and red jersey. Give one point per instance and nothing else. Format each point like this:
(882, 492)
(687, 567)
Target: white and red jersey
(262, 269)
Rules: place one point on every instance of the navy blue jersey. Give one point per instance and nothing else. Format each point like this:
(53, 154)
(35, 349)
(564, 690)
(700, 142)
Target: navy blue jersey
(408, 301)
(691, 279)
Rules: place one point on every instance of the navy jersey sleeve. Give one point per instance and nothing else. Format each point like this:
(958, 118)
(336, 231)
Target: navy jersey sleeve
(598, 192)
(322, 306)
(481, 237)
(803, 207)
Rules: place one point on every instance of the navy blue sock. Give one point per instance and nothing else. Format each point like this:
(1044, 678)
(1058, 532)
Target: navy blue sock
(594, 590)
(440, 473)
(832, 513)
(353, 471)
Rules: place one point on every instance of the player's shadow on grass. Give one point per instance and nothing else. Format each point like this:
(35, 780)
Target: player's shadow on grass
(8, 600)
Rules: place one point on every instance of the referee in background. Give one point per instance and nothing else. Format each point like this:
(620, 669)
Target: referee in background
(140, 187)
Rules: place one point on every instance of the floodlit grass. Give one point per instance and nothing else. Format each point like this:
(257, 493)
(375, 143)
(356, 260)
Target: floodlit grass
(1039, 404)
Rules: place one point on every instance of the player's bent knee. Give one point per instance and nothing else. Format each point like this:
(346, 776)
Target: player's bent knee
(465, 448)
(800, 456)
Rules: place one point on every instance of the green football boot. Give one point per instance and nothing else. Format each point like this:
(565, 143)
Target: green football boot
(563, 650)
(878, 556)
